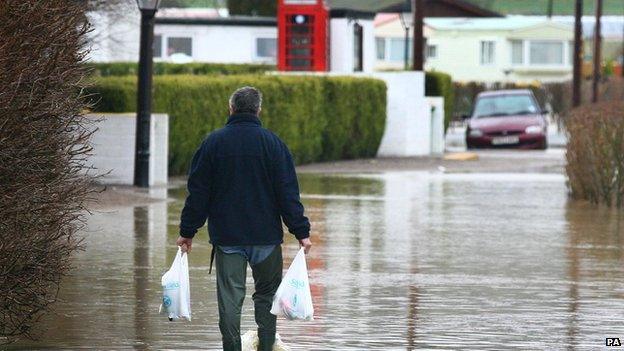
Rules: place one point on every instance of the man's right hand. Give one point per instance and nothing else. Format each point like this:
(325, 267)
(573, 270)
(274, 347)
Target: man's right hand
(185, 244)
(306, 244)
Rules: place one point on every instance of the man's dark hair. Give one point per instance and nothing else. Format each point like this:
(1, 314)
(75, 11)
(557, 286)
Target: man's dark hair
(246, 100)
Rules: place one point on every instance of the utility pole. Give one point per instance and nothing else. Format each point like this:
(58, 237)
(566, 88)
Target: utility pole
(406, 28)
(597, 52)
(418, 47)
(406, 49)
(578, 51)
(550, 8)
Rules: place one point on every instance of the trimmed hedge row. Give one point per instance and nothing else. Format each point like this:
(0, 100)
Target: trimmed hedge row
(131, 68)
(595, 152)
(441, 84)
(320, 118)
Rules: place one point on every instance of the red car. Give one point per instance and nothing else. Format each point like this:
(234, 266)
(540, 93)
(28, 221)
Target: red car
(507, 118)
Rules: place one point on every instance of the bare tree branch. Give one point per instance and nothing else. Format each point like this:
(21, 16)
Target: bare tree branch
(44, 141)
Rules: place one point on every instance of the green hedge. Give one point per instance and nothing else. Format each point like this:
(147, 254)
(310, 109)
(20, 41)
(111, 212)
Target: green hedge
(130, 68)
(441, 84)
(320, 118)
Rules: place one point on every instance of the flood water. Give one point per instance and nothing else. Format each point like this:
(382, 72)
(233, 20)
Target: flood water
(400, 261)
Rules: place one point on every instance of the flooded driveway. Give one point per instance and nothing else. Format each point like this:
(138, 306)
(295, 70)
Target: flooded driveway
(401, 261)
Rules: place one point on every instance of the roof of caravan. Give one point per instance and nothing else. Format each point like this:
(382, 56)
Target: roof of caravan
(491, 24)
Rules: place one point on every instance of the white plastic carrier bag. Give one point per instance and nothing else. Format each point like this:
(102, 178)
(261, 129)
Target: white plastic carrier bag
(176, 299)
(293, 299)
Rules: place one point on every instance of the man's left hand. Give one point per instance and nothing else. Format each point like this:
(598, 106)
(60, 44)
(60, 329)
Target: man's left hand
(185, 243)
(306, 244)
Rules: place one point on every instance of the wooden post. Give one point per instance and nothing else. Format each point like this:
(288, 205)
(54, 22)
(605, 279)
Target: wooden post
(597, 52)
(578, 51)
(419, 60)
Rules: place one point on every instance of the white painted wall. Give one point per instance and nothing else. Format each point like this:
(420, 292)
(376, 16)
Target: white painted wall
(369, 45)
(408, 121)
(114, 145)
(436, 106)
(342, 41)
(459, 55)
(220, 44)
(115, 37)
(341, 47)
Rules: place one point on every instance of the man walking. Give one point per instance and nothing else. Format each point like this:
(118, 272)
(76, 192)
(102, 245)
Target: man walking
(242, 179)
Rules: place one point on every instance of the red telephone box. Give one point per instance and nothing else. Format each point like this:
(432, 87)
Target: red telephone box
(302, 27)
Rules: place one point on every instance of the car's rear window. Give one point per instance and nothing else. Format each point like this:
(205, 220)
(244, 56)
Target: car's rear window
(505, 105)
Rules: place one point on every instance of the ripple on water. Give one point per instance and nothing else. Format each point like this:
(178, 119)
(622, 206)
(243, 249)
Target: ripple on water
(401, 261)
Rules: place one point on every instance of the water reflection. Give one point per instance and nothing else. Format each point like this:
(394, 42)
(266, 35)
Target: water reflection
(401, 261)
(141, 277)
(595, 272)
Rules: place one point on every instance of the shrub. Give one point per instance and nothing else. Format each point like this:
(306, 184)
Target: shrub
(608, 68)
(441, 84)
(131, 68)
(320, 118)
(595, 153)
(43, 146)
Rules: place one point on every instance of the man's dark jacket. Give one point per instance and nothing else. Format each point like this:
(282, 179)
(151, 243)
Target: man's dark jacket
(242, 179)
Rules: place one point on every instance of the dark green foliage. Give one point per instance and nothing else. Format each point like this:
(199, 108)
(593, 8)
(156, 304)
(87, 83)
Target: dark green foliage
(320, 118)
(441, 84)
(131, 68)
(252, 7)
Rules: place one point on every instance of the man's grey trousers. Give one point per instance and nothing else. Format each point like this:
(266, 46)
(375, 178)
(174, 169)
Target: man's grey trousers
(231, 277)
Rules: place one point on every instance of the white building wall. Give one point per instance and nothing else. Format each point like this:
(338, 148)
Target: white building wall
(220, 44)
(459, 49)
(116, 36)
(341, 45)
(342, 41)
(369, 45)
(459, 54)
